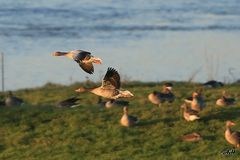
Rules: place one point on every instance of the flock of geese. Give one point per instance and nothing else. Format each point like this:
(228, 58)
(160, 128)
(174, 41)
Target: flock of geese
(111, 85)
(110, 89)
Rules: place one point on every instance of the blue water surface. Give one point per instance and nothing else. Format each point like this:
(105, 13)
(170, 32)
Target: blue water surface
(153, 40)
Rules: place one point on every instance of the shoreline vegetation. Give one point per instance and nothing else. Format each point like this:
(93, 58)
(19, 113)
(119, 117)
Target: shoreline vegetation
(40, 130)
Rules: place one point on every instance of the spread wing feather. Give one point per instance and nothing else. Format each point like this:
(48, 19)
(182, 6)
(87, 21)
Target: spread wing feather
(87, 67)
(79, 55)
(111, 79)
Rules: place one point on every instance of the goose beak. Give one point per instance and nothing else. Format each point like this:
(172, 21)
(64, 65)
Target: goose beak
(56, 54)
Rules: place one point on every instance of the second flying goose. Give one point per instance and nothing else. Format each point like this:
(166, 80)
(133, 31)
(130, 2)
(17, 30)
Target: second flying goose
(110, 87)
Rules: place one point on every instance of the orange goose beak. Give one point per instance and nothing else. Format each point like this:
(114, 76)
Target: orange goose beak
(58, 53)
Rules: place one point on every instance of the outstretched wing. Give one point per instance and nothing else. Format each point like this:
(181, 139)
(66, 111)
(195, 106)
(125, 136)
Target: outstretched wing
(111, 79)
(87, 67)
(79, 55)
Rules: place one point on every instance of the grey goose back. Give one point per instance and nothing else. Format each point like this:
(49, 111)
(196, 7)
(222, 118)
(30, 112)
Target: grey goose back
(165, 95)
(128, 120)
(213, 84)
(12, 100)
(112, 103)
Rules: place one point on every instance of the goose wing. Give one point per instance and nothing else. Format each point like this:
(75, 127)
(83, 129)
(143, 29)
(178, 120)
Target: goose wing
(121, 103)
(133, 118)
(111, 79)
(236, 135)
(17, 100)
(192, 112)
(191, 137)
(68, 102)
(79, 55)
(230, 100)
(87, 67)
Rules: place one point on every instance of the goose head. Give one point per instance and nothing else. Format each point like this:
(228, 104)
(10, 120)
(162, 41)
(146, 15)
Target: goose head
(195, 94)
(167, 87)
(96, 60)
(125, 110)
(230, 123)
(223, 93)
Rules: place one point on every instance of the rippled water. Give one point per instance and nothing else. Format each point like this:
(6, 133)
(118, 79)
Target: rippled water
(145, 40)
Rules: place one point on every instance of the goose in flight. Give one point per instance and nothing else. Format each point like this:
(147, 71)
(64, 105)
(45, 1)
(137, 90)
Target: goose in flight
(83, 58)
(110, 87)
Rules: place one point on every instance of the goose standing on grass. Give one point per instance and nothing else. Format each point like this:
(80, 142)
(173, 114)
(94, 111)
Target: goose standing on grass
(167, 92)
(100, 102)
(128, 120)
(196, 101)
(68, 103)
(112, 103)
(83, 58)
(110, 87)
(225, 101)
(11, 100)
(155, 98)
(213, 84)
(189, 114)
(116, 103)
(232, 137)
(160, 97)
(193, 137)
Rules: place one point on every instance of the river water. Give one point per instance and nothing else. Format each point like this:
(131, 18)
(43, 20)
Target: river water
(154, 40)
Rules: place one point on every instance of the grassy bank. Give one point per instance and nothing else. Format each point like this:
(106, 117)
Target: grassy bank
(39, 130)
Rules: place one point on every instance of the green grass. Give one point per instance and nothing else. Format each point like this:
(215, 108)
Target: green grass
(39, 130)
